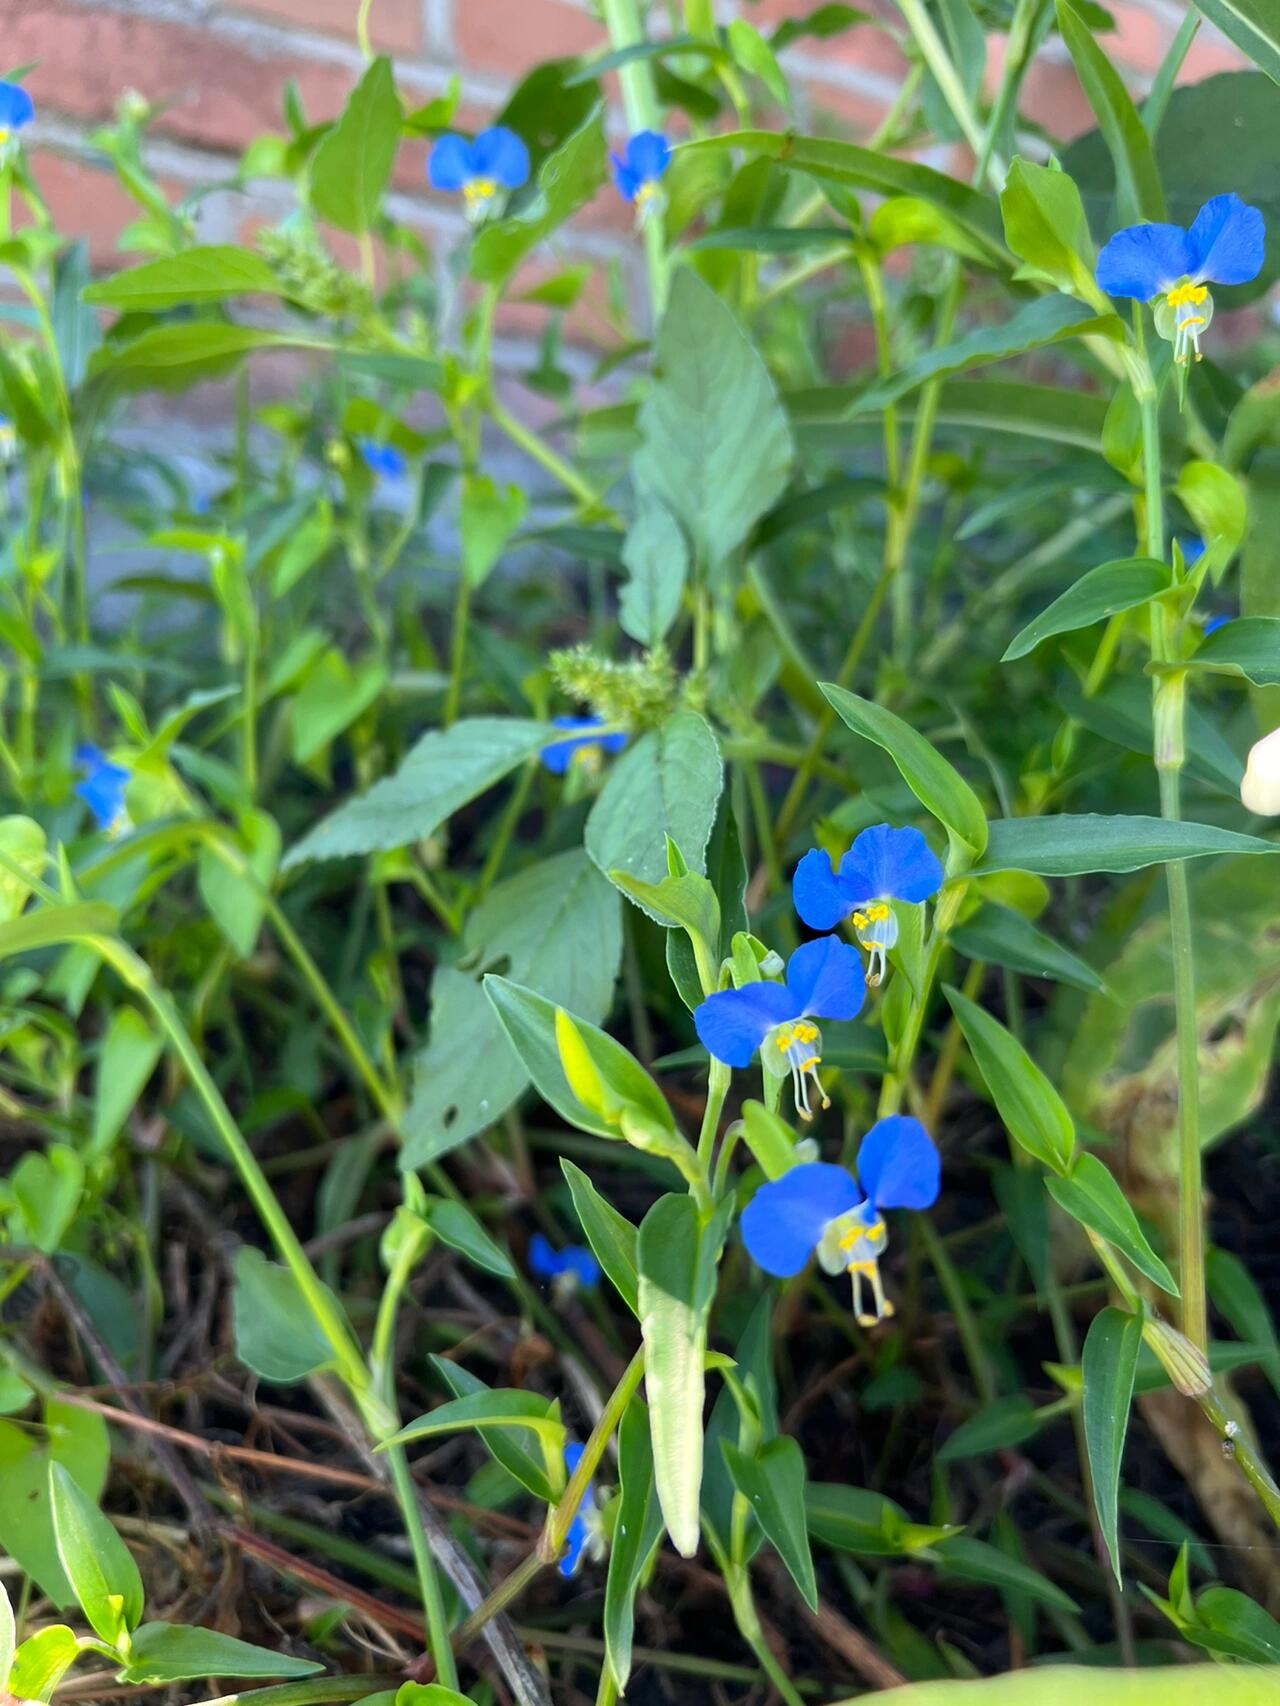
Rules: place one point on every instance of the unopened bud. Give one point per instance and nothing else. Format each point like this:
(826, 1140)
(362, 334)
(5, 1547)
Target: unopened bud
(1186, 1365)
(1260, 790)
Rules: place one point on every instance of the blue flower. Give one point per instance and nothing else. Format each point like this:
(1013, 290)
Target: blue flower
(585, 1533)
(882, 866)
(8, 439)
(497, 159)
(824, 981)
(1214, 623)
(102, 789)
(1192, 550)
(574, 1265)
(818, 1206)
(637, 169)
(1225, 245)
(16, 111)
(586, 748)
(384, 460)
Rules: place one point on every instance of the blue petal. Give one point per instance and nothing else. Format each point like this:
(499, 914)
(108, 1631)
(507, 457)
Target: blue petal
(898, 1164)
(573, 1450)
(1144, 261)
(1214, 623)
(818, 895)
(1192, 550)
(826, 981)
(451, 163)
(648, 155)
(732, 1024)
(574, 1542)
(577, 1260)
(890, 864)
(557, 754)
(500, 154)
(543, 1260)
(16, 106)
(1228, 242)
(383, 460)
(625, 180)
(783, 1222)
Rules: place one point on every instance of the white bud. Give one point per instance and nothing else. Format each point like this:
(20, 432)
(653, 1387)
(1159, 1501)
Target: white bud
(1260, 790)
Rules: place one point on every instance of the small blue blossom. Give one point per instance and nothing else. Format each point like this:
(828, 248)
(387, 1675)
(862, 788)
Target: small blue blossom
(16, 111)
(497, 159)
(102, 789)
(820, 1207)
(573, 1266)
(585, 747)
(1225, 244)
(1214, 623)
(585, 1533)
(1192, 550)
(383, 460)
(637, 170)
(8, 440)
(824, 981)
(883, 865)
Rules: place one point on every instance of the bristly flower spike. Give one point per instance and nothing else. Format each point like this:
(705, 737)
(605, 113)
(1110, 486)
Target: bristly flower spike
(882, 866)
(1172, 267)
(820, 1207)
(824, 981)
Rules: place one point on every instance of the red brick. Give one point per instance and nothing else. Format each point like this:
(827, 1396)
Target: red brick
(1208, 55)
(1138, 40)
(1052, 93)
(838, 111)
(394, 25)
(84, 201)
(511, 38)
(216, 93)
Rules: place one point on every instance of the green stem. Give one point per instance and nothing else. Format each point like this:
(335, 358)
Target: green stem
(934, 52)
(717, 1090)
(894, 1083)
(362, 29)
(748, 1621)
(555, 465)
(953, 1290)
(561, 1517)
(640, 103)
(458, 647)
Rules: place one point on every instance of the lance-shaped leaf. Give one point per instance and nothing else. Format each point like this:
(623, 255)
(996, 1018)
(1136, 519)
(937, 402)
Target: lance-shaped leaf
(1109, 1363)
(1091, 1195)
(1034, 1114)
(635, 1538)
(1104, 591)
(1072, 844)
(773, 1483)
(1249, 646)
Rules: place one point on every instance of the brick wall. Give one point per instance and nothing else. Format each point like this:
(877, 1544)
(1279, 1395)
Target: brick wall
(218, 68)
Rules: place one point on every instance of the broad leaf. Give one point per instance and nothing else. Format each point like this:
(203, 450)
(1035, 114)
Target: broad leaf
(677, 1252)
(1045, 225)
(665, 786)
(352, 166)
(97, 1562)
(275, 1332)
(76, 1439)
(42, 1661)
(483, 1410)
(1111, 587)
(656, 559)
(940, 789)
(446, 769)
(773, 1483)
(517, 1450)
(998, 1426)
(1108, 1364)
(203, 274)
(455, 1225)
(127, 1057)
(1033, 1113)
(716, 447)
(1249, 646)
(973, 1560)
(24, 843)
(1091, 1195)
(1071, 844)
(176, 1652)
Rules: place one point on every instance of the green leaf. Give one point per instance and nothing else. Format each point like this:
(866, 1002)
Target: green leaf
(332, 696)
(1033, 1113)
(235, 903)
(1248, 646)
(42, 1661)
(427, 1694)
(773, 1483)
(1002, 937)
(9, 1639)
(1071, 844)
(939, 789)
(677, 1253)
(1229, 1622)
(276, 1334)
(97, 1562)
(727, 874)
(76, 328)
(716, 446)
(1046, 226)
(487, 1409)
(189, 342)
(1254, 27)
(23, 841)
(866, 168)
(1109, 1364)
(973, 1560)
(455, 1225)
(556, 928)
(446, 769)
(664, 787)
(352, 166)
(1111, 587)
(656, 559)
(611, 1235)
(200, 275)
(1047, 320)
(635, 1537)
(78, 1440)
(126, 1059)
(516, 1449)
(46, 1188)
(1090, 1195)
(488, 517)
(1138, 192)
(1236, 1295)
(176, 1652)
(754, 54)
(52, 924)
(567, 180)
(998, 1426)
(613, 1086)
(854, 1519)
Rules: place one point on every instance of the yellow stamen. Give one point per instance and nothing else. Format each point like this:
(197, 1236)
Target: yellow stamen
(1184, 293)
(5, 134)
(479, 190)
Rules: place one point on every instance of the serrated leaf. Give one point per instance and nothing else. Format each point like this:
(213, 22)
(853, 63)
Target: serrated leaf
(716, 446)
(352, 166)
(1109, 1363)
(656, 559)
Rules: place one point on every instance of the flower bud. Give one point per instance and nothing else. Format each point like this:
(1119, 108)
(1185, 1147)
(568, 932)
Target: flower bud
(1260, 790)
